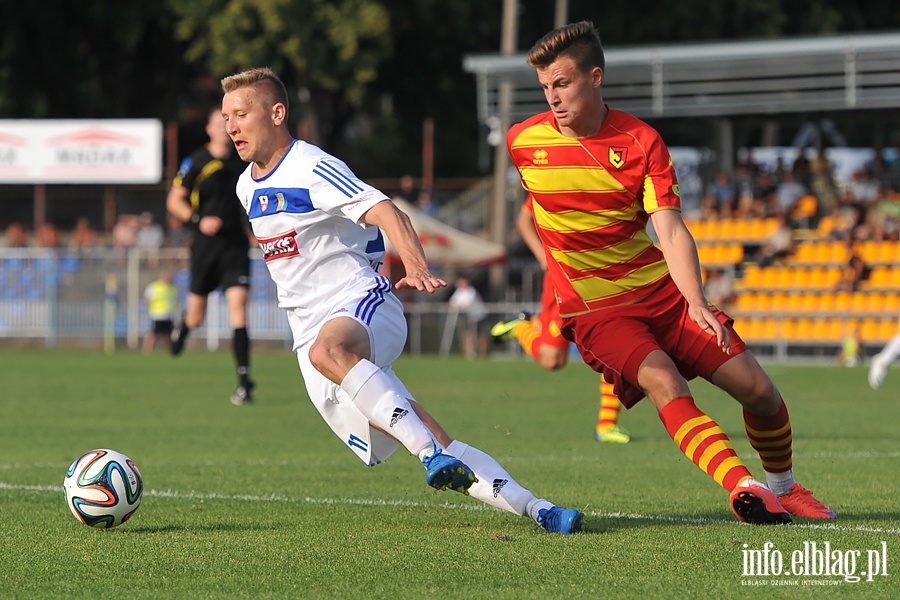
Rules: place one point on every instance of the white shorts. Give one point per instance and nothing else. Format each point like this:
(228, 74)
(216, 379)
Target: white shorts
(386, 327)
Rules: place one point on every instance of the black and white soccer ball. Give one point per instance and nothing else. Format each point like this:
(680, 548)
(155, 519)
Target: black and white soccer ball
(103, 488)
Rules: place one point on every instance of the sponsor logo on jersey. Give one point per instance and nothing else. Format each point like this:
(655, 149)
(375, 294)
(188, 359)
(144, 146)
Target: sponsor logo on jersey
(281, 246)
(539, 157)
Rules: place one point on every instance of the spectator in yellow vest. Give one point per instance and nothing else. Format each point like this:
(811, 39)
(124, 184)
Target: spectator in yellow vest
(161, 297)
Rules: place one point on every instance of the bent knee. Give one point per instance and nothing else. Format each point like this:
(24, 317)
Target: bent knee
(762, 397)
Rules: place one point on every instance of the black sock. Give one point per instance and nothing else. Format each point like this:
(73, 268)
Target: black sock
(242, 355)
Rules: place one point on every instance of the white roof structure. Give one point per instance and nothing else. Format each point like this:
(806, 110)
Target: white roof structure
(847, 72)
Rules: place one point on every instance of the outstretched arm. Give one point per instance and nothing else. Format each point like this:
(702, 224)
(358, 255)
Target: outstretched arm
(680, 250)
(399, 230)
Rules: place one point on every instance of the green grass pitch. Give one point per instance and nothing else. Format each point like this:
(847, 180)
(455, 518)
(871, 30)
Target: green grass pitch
(264, 502)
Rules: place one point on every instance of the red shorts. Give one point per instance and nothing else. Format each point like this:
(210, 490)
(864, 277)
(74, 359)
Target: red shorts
(551, 322)
(615, 341)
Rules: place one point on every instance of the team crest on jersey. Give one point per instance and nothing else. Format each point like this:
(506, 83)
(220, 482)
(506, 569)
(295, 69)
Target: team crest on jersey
(539, 157)
(263, 203)
(281, 246)
(617, 156)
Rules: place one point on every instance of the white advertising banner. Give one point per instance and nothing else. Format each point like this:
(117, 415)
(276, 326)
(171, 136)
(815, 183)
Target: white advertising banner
(81, 151)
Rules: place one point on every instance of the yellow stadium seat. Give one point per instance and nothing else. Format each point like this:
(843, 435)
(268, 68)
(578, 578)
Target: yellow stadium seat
(821, 253)
(752, 278)
(868, 251)
(699, 230)
(748, 329)
(805, 254)
(825, 303)
(833, 331)
(809, 303)
(838, 253)
(798, 279)
(756, 230)
(769, 329)
(870, 330)
(727, 229)
(859, 303)
(804, 331)
(779, 302)
(826, 226)
(886, 253)
(879, 279)
(875, 303)
(841, 302)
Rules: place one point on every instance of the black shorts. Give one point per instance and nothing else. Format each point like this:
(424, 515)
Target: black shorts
(164, 327)
(219, 266)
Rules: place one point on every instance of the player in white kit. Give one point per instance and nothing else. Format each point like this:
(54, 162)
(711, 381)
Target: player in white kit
(320, 229)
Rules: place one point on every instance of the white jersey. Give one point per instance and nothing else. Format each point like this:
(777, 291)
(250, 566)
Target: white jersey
(306, 216)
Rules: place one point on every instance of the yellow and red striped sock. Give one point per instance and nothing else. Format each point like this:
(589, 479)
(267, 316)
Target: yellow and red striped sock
(703, 441)
(609, 407)
(528, 333)
(771, 438)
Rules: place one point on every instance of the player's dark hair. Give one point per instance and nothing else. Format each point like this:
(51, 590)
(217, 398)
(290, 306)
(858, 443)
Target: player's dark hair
(262, 78)
(580, 41)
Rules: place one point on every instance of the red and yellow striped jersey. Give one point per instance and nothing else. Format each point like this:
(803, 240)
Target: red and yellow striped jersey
(592, 198)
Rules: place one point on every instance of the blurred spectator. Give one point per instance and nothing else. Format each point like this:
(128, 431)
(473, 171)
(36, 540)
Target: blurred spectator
(124, 231)
(123, 236)
(853, 272)
(467, 301)
(863, 186)
(83, 235)
(822, 183)
(746, 178)
(177, 236)
(161, 297)
(149, 235)
(779, 245)
(848, 354)
(425, 204)
(801, 170)
(879, 169)
(884, 215)
(408, 189)
(720, 196)
(16, 235)
(719, 289)
(846, 217)
(47, 236)
(788, 193)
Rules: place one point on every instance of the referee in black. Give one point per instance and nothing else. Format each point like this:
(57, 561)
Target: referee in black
(203, 195)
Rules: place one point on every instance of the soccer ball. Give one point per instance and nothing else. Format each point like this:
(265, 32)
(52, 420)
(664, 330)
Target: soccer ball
(103, 488)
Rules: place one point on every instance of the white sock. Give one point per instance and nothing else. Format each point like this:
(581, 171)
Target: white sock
(371, 391)
(536, 505)
(495, 486)
(780, 483)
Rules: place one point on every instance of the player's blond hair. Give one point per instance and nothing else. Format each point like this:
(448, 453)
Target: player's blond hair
(263, 80)
(580, 41)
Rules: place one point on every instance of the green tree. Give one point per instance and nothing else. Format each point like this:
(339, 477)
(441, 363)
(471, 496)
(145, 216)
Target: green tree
(326, 51)
(61, 59)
